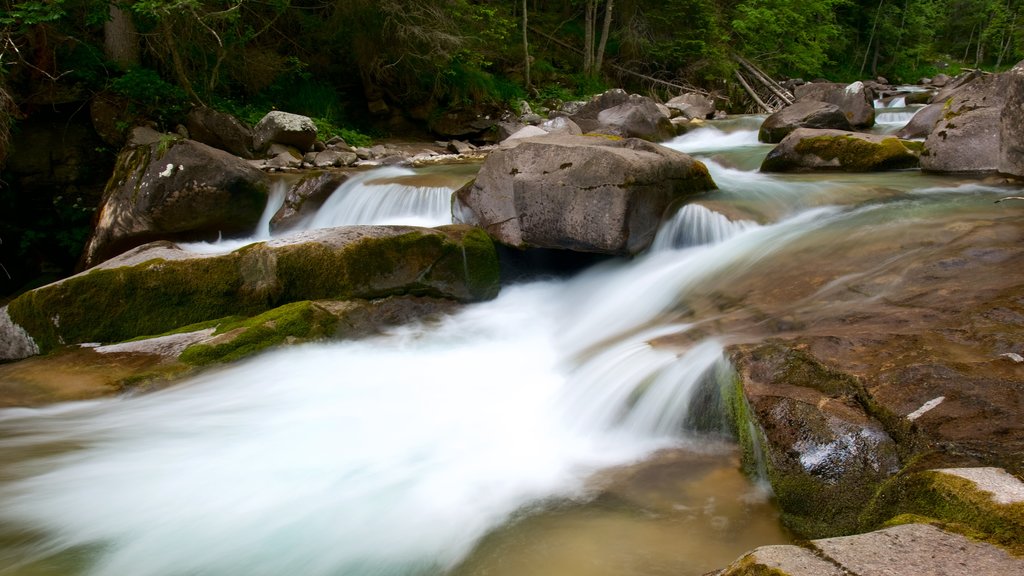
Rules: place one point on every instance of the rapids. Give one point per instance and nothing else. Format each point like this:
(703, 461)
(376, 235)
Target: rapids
(571, 426)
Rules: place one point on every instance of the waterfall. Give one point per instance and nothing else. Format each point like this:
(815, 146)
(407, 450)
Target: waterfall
(381, 197)
(696, 225)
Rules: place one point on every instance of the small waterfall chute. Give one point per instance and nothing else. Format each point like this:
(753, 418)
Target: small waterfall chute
(384, 196)
(697, 225)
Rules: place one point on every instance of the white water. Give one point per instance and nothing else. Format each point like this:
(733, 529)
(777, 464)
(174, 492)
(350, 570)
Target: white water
(712, 139)
(696, 225)
(370, 198)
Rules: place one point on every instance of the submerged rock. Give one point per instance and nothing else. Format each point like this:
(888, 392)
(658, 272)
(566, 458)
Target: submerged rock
(805, 150)
(175, 189)
(160, 287)
(583, 193)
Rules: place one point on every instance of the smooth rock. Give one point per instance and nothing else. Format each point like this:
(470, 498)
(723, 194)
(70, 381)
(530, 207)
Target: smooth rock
(284, 128)
(806, 114)
(220, 130)
(854, 100)
(923, 122)
(806, 149)
(967, 136)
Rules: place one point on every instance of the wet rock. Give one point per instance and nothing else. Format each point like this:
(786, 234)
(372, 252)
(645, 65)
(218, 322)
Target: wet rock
(333, 158)
(1011, 121)
(220, 130)
(583, 193)
(305, 198)
(284, 128)
(805, 150)
(159, 287)
(693, 106)
(923, 122)
(807, 114)
(967, 137)
(854, 100)
(175, 189)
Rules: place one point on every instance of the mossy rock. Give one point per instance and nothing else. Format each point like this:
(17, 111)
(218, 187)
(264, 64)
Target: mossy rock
(950, 502)
(159, 287)
(809, 150)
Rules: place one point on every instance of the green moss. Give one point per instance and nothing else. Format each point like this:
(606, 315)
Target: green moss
(859, 155)
(951, 502)
(748, 566)
(298, 320)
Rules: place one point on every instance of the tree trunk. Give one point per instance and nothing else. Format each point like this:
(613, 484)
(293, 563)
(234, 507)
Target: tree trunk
(120, 38)
(599, 56)
(526, 51)
(179, 66)
(588, 37)
(871, 38)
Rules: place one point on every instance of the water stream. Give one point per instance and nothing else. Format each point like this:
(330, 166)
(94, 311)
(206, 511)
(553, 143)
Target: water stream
(550, 431)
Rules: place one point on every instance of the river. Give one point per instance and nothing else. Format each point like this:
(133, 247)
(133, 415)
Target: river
(569, 427)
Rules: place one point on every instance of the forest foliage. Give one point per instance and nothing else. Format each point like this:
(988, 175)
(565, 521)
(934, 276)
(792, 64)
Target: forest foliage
(330, 58)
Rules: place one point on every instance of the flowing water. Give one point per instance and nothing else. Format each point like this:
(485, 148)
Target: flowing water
(569, 427)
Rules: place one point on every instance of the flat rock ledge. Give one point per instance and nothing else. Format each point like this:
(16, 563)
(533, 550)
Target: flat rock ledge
(905, 550)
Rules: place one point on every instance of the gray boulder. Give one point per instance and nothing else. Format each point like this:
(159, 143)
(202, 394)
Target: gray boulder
(175, 190)
(967, 136)
(806, 150)
(582, 193)
(586, 115)
(855, 100)
(159, 287)
(1011, 124)
(638, 117)
(284, 128)
(693, 106)
(805, 114)
(921, 125)
(219, 130)
(561, 125)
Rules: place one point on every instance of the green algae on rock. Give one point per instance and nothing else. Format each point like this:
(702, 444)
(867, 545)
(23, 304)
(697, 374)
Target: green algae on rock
(807, 149)
(159, 287)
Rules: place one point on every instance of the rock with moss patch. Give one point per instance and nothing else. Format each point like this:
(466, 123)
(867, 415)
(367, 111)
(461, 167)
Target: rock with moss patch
(159, 287)
(582, 193)
(175, 190)
(809, 114)
(967, 137)
(806, 150)
(1011, 123)
(825, 455)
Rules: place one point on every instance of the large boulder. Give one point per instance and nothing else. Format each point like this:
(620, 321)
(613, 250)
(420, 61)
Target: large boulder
(806, 114)
(583, 193)
(175, 189)
(638, 117)
(284, 128)
(806, 150)
(1011, 124)
(855, 100)
(160, 287)
(967, 137)
(586, 115)
(220, 130)
(921, 125)
(693, 106)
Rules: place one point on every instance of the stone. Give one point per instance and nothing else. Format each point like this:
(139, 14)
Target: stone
(15, 343)
(220, 130)
(806, 149)
(284, 128)
(306, 197)
(175, 190)
(284, 160)
(460, 147)
(693, 106)
(1011, 121)
(528, 132)
(561, 125)
(854, 100)
(917, 549)
(785, 560)
(638, 117)
(940, 80)
(582, 193)
(333, 158)
(967, 137)
(805, 114)
(585, 114)
(159, 287)
(1003, 487)
(923, 122)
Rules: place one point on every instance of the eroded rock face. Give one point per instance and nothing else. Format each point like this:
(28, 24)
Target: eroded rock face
(159, 287)
(175, 189)
(582, 193)
(967, 137)
(854, 100)
(805, 150)
(284, 128)
(923, 122)
(808, 114)
(1011, 124)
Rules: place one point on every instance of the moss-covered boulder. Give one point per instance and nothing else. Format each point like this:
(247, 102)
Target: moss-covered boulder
(805, 150)
(581, 193)
(159, 287)
(824, 451)
(175, 189)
